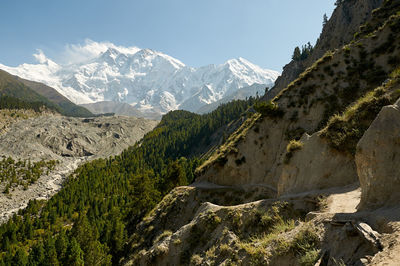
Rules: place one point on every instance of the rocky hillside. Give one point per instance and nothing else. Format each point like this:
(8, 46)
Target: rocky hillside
(338, 31)
(311, 171)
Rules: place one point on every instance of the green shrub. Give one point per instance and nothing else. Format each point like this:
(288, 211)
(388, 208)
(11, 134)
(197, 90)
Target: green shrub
(268, 109)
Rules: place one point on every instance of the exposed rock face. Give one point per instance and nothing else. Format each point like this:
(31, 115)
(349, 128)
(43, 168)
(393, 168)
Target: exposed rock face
(316, 166)
(340, 29)
(54, 137)
(378, 159)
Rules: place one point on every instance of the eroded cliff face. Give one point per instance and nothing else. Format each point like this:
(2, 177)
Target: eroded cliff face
(315, 166)
(338, 31)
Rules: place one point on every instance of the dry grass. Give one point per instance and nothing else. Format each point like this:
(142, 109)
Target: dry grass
(291, 148)
(343, 131)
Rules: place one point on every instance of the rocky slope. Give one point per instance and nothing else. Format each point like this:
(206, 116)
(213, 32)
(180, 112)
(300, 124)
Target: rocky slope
(312, 171)
(68, 108)
(70, 141)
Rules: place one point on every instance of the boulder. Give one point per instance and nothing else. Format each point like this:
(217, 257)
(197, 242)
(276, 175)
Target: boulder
(378, 160)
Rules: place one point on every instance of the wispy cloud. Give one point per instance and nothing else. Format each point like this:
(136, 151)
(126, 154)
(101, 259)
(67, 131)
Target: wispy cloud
(76, 53)
(40, 56)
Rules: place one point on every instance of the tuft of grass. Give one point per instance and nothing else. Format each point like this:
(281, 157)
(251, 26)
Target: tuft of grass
(163, 235)
(305, 241)
(294, 145)
(196, 260)
(177, 242)
(309, 258)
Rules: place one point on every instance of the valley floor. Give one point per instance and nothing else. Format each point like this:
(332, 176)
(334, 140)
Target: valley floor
(43, 189)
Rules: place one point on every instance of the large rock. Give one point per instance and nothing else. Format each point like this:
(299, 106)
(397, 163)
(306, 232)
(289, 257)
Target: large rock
(378, 160)
(316, 166)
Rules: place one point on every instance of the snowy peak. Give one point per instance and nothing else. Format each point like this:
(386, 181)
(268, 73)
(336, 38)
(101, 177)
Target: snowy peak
(146, 79)
(244, 69)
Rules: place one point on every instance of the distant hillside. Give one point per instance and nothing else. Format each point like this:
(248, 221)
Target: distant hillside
(28, 94)
(22, 94)
(109, 196)
(68, 108)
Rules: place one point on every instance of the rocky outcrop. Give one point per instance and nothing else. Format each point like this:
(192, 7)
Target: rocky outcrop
(187, 229)
(378, 160)
(316, 166)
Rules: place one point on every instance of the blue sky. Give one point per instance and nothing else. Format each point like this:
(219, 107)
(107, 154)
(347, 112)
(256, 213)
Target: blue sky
(197, 32)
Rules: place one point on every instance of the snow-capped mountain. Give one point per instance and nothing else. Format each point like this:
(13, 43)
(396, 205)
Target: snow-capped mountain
(146, 79)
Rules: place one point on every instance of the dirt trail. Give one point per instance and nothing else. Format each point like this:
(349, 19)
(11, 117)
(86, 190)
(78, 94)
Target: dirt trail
(344, 202)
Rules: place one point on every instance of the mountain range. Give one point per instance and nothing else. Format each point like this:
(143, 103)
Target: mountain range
(150, 81)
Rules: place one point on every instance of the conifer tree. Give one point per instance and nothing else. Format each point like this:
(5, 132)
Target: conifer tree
(74, 254)
(296, 54)
(325, 20)
(20, 257)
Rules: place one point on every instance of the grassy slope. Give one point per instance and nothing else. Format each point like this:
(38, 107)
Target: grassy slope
(29, 92)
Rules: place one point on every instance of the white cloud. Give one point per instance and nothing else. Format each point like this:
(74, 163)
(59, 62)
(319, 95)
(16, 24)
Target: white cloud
(40, 57)
(76, 53)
